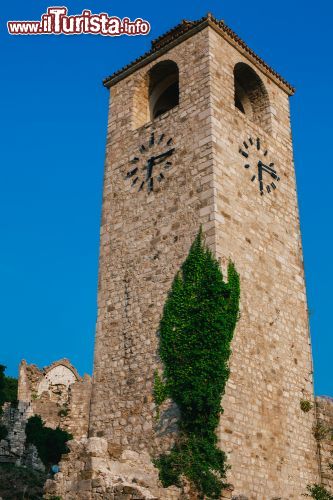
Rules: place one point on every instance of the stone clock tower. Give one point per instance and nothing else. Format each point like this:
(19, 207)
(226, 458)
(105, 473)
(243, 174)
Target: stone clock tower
(199, 134)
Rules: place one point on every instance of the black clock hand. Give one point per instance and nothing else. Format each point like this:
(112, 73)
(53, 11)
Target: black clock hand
(262, 167)
(267, 168)
(261, 185)
(149, 166)
(270, 171)
(164, 155)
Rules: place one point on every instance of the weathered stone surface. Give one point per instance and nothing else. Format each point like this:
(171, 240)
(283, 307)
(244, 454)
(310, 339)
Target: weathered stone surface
(97, 447)
(58, 394)
(132, 474)
(144, 240)
(114, 450)
(14, 449)
(324, 410)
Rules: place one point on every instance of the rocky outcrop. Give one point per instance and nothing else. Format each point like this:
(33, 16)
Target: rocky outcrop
(96, 469)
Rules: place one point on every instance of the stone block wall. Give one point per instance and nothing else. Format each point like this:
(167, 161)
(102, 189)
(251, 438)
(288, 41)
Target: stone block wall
(146, 237)
(144, 240)
(324, 428)
(268, 438)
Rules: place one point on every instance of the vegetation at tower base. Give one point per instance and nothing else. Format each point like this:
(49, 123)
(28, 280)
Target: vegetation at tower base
(50, 443)
(318, 492)
(18, 482)
(196, 330)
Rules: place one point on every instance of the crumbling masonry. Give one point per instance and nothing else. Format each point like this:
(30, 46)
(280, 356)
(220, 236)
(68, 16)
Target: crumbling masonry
(58, 394)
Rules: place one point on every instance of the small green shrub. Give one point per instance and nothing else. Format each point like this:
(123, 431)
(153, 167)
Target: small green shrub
(320, 431)
(3, 432)
(305, 405)
(8, 387)
(50, 443)
(318, 492)
(21, 483)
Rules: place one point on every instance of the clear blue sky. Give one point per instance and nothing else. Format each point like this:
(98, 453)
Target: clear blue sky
(53, 123)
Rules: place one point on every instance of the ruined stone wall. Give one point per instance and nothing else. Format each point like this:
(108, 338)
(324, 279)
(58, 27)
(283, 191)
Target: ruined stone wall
(76, 421)
(324, 428)
(13, 449)
(58, 394)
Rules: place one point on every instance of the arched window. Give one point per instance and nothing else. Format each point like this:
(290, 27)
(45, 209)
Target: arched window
(163, 88)
(251, 97)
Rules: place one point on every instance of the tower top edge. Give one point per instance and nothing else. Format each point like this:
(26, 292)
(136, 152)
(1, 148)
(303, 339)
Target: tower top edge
(187, 29)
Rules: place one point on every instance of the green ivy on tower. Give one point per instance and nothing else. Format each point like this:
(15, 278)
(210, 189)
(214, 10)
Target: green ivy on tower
(196, 330)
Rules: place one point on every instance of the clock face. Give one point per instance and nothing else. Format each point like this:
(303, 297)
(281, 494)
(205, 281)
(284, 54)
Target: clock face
(262, 171)
(151, 164)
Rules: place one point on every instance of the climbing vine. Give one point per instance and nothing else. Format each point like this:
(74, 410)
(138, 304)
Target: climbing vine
(160, 392)
(196, 330)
